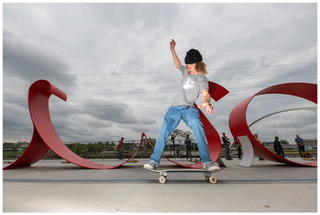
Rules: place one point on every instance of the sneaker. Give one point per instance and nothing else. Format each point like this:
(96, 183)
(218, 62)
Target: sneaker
(150, 165)
(211, 167)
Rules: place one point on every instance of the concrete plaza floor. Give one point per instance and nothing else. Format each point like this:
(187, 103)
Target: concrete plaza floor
(51, 186)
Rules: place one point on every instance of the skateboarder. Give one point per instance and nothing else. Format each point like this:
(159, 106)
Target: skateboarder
(194, 83)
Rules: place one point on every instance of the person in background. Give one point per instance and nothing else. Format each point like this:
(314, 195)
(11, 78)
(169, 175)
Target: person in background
(300, 143)
(277, 147)
(227, 144)
(188, 144)
(238, 149)
(257, 138)
(120, 147)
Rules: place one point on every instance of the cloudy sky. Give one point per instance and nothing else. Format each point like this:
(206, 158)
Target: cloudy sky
(114, 63)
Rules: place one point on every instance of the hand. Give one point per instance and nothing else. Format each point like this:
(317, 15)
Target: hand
(208, 106)
(172, 44)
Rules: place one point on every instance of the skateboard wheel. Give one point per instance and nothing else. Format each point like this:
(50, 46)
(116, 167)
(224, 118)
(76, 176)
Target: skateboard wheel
(213, 180)
(162, 179)
(205, 178)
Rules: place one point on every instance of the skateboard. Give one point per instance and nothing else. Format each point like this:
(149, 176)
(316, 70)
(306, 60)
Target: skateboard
(207, 174)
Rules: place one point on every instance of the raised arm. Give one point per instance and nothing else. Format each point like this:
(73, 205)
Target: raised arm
(174, 54)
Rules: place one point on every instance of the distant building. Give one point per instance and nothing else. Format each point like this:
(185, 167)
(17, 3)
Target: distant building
(24, 145)
(310, 144)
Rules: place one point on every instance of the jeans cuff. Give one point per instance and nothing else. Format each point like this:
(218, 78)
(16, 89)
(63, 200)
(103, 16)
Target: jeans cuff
(206, 163)
(152, 161)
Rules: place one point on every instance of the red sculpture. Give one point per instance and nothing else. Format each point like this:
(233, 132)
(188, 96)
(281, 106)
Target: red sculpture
(45, 137)
(239, 127)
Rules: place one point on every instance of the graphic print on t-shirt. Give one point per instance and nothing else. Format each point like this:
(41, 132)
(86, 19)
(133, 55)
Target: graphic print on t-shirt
(188, 84)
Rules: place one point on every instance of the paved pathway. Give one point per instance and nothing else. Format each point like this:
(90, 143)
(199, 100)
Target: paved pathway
(50, 186)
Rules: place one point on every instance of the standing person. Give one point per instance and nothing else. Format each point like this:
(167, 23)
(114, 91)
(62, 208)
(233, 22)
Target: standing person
(173, 145)
(257, 138)
(187, 142)
(300, 143)
(277, 147)
(120, 147)
(238, 149)
(193, 84)
(227, 143)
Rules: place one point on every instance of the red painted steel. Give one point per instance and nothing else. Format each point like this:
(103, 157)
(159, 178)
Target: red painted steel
(239, 127)
(45, 137)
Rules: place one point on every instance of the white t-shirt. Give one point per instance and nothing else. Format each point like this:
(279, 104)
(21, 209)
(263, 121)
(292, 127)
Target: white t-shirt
(191, 87)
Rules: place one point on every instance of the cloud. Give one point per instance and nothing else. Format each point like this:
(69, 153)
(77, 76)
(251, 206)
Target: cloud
(114, 63)
(17, 124)
(28, 62)
(117, 112)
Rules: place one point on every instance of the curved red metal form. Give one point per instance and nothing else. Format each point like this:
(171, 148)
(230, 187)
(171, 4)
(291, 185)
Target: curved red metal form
(239, 127)
(216, 92)
(45, 137)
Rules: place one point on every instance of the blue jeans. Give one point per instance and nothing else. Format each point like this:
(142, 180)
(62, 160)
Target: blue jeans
(191, 117)
(301, 149)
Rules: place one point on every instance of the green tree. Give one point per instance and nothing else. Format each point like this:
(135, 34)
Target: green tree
(9, 146)
(180, 134)
(284, 142)
(113, 145)
(99, 147)
(90, 147)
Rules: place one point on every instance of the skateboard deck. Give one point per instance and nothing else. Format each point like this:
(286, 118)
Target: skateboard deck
(207, 174)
